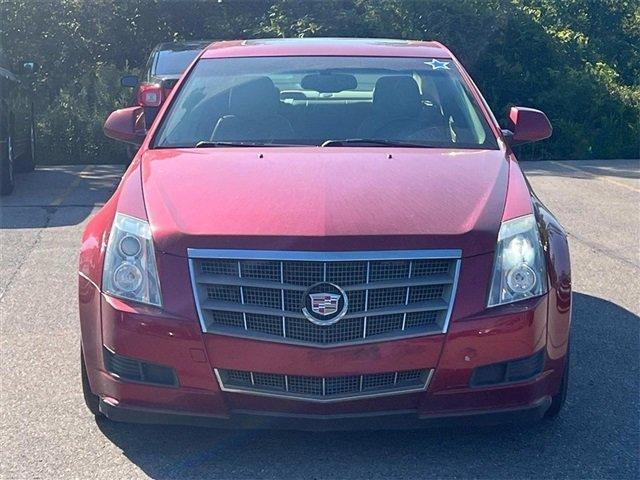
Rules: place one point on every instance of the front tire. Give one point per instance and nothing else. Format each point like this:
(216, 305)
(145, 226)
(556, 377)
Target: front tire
(7, 168)
(91, 400)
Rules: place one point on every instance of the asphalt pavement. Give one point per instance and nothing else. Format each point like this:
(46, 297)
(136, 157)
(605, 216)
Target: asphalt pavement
(46, 431)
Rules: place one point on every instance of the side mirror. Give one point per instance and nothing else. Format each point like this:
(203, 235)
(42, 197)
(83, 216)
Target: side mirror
(126, 125)
(527, 125)
(29, 67)
(130, 81)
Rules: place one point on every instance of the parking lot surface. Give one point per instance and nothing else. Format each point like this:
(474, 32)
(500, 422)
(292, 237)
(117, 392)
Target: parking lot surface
(46, 432)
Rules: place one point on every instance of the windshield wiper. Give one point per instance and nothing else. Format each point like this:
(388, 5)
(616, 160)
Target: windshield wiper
(209, 144)
(206, 144)
(370, 141)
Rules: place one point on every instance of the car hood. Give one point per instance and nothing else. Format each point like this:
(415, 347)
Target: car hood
(313, 198)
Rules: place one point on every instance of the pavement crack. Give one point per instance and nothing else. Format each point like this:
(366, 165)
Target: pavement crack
(50, 213)
(604, 251)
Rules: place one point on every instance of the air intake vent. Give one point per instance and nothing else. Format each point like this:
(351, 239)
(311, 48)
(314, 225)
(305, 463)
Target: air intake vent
(508, 372)
(134, 370)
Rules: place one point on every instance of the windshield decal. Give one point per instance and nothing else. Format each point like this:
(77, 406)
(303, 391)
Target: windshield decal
(437, 64)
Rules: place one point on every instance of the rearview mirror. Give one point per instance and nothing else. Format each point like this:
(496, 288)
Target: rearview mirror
(126, 125)
(130, 81)
(329, 82)
(527, 125)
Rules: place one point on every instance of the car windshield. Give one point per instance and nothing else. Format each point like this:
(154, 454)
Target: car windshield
(174, 62)
(330, 101)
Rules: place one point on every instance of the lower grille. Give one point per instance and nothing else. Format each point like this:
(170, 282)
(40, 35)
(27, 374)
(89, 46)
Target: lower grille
(324, 389)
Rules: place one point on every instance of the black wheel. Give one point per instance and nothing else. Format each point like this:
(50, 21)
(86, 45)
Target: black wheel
(27, 162)
(7, 167)
(91, 400)
(558, 401)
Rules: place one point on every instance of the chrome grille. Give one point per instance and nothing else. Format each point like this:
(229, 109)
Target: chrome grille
(259, 294)
(323, 389)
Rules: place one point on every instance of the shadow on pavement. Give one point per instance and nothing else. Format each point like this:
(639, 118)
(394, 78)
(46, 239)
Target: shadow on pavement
(55, 196)
(629, 169)
(596, 436)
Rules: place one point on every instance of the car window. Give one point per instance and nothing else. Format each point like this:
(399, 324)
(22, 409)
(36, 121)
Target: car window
(314, 100)
(169, 62)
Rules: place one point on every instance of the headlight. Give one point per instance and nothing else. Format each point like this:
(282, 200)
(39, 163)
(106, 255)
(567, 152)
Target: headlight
(130, 263)
(518, 269)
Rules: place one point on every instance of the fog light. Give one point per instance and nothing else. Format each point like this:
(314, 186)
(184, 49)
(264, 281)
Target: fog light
(127, 277)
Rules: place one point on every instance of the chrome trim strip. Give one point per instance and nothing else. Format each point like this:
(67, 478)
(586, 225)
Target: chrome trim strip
(452, 300)
(244, 314)
(284, 318)
(345, 398)
(366, 303)
(208, 278)
(248, 335)
(195, 293)
(426, 305)
(294, 255)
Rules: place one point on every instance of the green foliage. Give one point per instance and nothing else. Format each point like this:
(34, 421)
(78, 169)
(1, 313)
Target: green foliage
(578, 60)
(71, 127)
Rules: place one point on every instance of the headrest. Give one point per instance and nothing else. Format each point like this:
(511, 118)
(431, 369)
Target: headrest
(258, 98)
(396, 96)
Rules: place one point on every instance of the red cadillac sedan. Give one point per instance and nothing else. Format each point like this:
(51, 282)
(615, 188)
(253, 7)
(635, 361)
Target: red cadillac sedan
(325, 234)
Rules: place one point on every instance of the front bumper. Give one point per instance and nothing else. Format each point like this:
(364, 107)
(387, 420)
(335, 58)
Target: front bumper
(501, 334)
(388, 420)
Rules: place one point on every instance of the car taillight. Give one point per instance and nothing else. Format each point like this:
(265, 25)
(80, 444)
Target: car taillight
(149, 95)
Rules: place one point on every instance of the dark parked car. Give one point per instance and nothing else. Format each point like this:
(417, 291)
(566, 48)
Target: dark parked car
(17, 126)
(166, 63)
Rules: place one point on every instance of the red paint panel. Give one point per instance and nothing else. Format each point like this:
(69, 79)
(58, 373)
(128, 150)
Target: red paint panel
(518, 202)
(325, 47)
(503, 397)
(517, 331)
(269, 357)
(329, 199)
(163, 398)
(157, 339)
(381, 404)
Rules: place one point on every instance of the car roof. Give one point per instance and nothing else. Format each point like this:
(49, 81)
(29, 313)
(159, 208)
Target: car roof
(375, 47)
(182, 45)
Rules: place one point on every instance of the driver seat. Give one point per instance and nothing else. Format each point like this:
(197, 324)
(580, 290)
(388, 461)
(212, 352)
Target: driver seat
(253, 114)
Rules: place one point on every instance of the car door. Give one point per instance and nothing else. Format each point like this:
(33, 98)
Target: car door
(22, 117)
